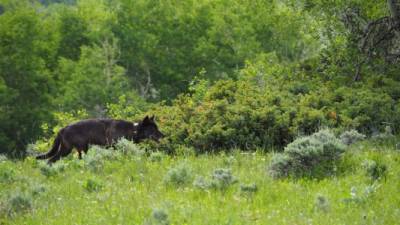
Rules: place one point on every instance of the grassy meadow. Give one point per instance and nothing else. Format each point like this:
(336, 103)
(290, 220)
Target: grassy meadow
(225, 80)
(130, 186)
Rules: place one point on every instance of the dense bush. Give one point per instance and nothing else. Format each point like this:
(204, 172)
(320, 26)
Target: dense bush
(179, 175)
(258, 111)
(159, 217)
(313, 156)
(18, 202)
(52, 170)
(351, 137)
(220, 179)
(128, 147)
(321, 203)
(375, 169)
(281, 165)
(96, 157)
(156, 156)
(268, 107)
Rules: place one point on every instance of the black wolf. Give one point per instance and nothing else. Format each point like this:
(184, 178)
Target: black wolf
(104, 132)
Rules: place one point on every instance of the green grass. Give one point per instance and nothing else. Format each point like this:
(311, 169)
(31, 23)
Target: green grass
(132, 189)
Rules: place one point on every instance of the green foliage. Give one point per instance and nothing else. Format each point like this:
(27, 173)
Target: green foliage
(158, 217)
(361, 197)
(17, 203)
(321, 203)
(156, 156)
(342, 199)
(219, 76)
(351, 137)
(201, 183)
(93, 185)
(74, 30)
(38, 189)
(94, 80)
(7, 175)
(181, 39)
(222, 178)
(127, 108)
(96, 157)
(375, 169)
(52, 170)
(313, 156)
(128, 147)
(248, 189)
(3, 158)
(281, 166)
(365, 110)
(179, 175)
(258, 111)
(24, 79)
(255, 74)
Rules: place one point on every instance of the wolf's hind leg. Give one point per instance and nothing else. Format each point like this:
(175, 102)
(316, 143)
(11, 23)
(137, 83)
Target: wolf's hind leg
(79, 154)
(62, 152)
(81, 149)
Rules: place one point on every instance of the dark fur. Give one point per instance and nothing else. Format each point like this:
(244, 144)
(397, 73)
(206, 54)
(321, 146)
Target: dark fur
(104, 132)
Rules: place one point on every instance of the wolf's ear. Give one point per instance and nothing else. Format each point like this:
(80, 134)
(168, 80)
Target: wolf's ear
(146, 119)
(152, 118)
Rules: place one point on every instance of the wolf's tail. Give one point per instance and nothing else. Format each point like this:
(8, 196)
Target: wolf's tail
(53, 149)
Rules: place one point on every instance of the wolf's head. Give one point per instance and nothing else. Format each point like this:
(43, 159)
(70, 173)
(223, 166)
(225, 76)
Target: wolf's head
(147, 129)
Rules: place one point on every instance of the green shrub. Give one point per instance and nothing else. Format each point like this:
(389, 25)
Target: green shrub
(375, 169)
(7, 175)
(222, 178)
(313, 155)
(264, 108)
(247, 189)
(92, 185)
(242, 114)
(18, 202)
(156, 156)
(179, 175)
(280, 166)
(351, 137)
(3, 158)
(37, 189)
(231, 115)
(321, 203)
(384, 136)
(365, 109)
(52, 170)
(360, 197)
(128, 147)
(97, 156)
(201, 183)
(158, 217)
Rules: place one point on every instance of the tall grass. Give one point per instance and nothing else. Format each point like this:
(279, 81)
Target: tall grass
(133, 190)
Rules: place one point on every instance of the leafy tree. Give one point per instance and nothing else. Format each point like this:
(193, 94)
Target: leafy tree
(93, 81)
(73, 30)
(164, 45)
(24, 80)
